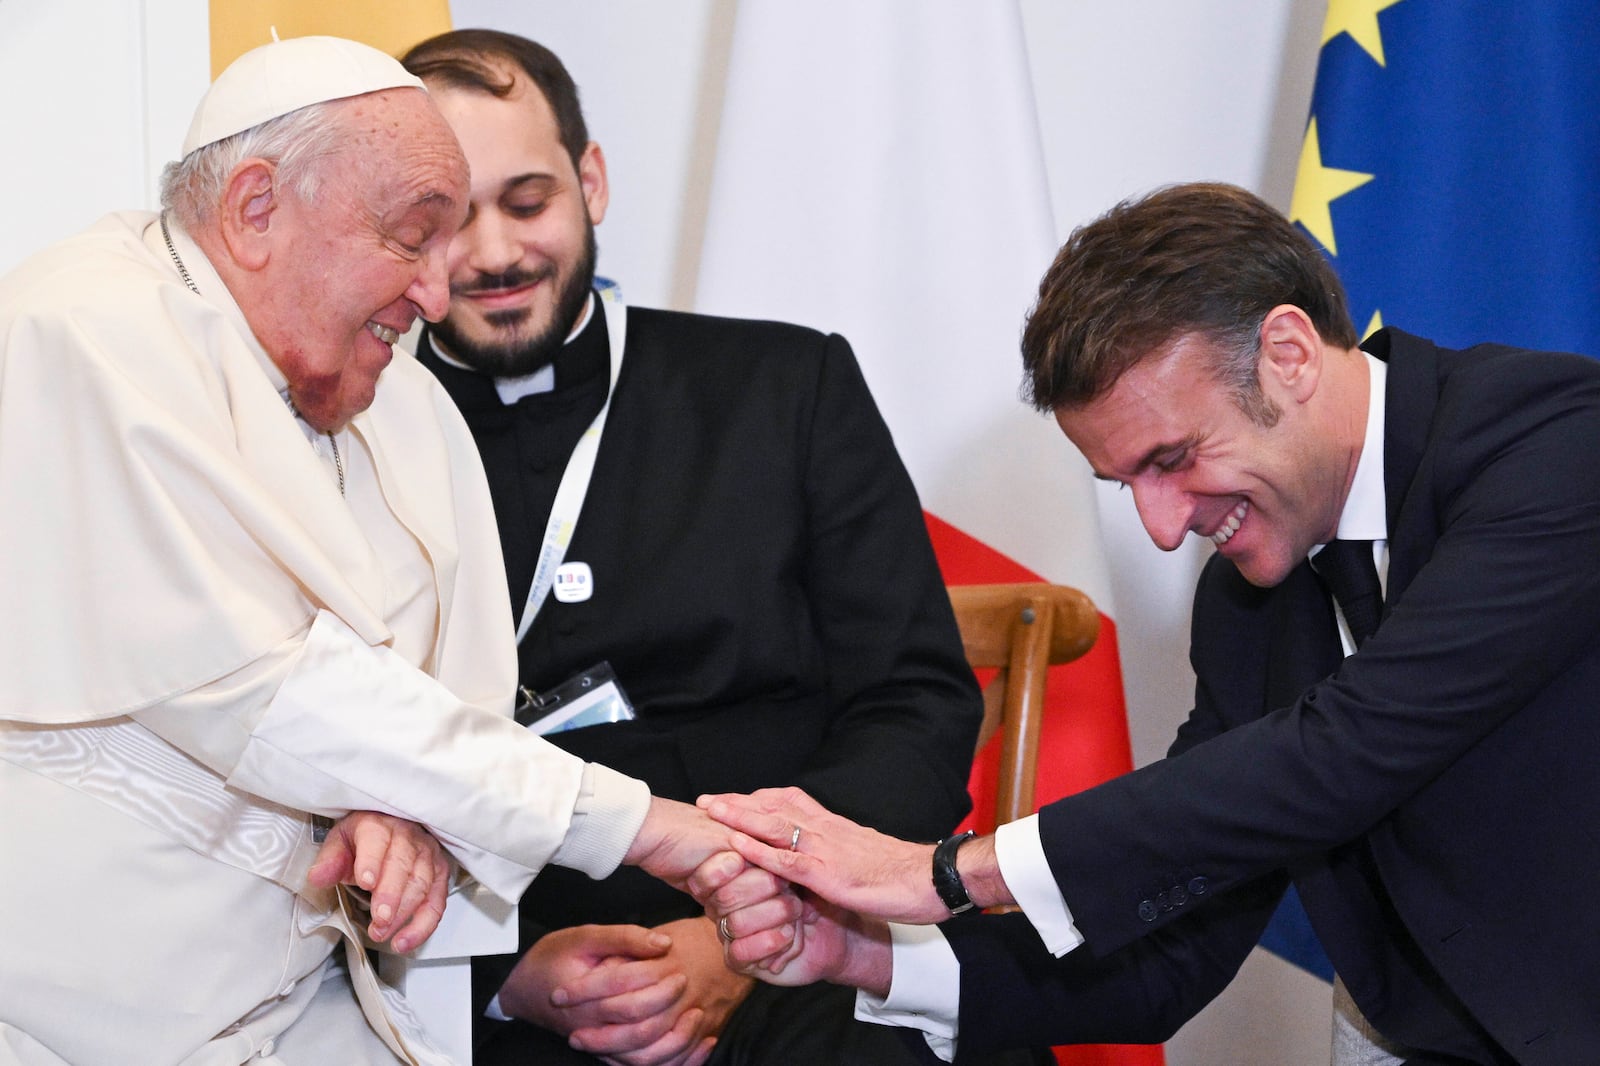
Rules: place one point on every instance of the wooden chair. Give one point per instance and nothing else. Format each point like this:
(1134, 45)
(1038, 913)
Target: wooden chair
(1023, 629)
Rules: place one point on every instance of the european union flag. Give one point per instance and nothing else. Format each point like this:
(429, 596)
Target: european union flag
(1451, 168)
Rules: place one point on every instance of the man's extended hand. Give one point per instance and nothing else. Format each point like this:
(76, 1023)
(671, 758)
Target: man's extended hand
(404, 868)
(620, 992)
(857, 868)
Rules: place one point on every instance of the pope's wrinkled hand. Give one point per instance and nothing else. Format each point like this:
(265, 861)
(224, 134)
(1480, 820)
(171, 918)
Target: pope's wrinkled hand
(684, 847)
(406, 871)
(675, 841)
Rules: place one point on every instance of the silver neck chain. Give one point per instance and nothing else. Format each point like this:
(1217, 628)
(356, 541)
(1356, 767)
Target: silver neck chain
(183, 272)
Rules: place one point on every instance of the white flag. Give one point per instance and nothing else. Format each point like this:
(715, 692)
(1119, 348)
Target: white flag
(879, 174)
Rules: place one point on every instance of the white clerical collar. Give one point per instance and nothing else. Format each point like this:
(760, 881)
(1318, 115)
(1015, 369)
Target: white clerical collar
(1366, 512)
(542, 380)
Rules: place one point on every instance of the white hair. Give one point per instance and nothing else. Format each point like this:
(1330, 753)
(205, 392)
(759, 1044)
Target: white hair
(193, 187)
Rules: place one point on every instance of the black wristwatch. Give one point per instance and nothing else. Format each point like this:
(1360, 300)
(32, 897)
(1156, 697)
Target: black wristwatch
(946, 880)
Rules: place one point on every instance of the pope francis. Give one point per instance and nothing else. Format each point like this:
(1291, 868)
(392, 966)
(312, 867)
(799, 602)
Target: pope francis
(250, 586)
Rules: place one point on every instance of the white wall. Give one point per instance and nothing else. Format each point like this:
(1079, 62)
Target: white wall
(97, 97)
(1131, 95)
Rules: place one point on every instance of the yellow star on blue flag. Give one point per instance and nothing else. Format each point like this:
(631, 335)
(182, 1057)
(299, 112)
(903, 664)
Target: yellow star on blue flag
(1478, 127)
(1316, 187)
(1358, 18)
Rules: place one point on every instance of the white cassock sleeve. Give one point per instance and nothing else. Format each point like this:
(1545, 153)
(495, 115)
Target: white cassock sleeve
(340, 725)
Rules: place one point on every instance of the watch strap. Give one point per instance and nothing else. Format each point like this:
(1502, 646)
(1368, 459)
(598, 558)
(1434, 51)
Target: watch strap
(946, 879)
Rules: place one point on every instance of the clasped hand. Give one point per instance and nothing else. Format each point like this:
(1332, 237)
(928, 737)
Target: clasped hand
(852, 881)
(631, 996)
(401, 865)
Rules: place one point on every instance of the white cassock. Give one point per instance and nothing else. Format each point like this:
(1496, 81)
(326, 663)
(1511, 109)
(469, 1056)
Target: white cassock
(201, 641)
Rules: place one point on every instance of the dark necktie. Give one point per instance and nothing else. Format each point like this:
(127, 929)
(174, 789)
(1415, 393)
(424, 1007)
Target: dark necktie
(1346, 567)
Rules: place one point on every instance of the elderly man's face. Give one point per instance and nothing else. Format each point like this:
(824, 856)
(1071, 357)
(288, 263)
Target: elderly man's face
(1175, 436)
(353, 268)
(521, 267)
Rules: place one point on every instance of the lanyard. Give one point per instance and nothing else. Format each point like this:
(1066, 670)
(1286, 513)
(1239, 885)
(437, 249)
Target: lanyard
(575, 479)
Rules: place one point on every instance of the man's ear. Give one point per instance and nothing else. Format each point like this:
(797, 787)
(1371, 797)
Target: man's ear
(592, 180)
(1291, 351)
(248, 203)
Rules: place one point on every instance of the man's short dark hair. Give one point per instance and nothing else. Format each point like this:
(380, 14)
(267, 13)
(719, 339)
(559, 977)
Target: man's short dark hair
(477, 60)
(1206, 259)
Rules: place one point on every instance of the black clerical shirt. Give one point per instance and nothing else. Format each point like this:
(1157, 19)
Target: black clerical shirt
(525, 445)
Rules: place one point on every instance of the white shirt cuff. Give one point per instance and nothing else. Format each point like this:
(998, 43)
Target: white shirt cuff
(1020, 853)
(925, 990)
(493, 1011)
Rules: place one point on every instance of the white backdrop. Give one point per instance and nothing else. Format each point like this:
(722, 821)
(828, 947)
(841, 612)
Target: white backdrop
(1131, 95)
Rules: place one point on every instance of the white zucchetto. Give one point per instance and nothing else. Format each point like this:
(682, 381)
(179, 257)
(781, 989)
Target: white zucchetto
(271, 81)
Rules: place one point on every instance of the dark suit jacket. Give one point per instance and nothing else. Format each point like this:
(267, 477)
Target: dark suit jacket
(1432, 796)
(763, 586)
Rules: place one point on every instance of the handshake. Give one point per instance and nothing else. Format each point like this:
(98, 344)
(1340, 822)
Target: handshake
(801, 894)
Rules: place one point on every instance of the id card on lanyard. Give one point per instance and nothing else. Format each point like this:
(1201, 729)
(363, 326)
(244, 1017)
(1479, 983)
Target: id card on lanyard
(575, 479)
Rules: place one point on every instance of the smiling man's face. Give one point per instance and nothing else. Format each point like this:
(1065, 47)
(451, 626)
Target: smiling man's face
(351, 268)
(1174, 435)
(522, 264)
